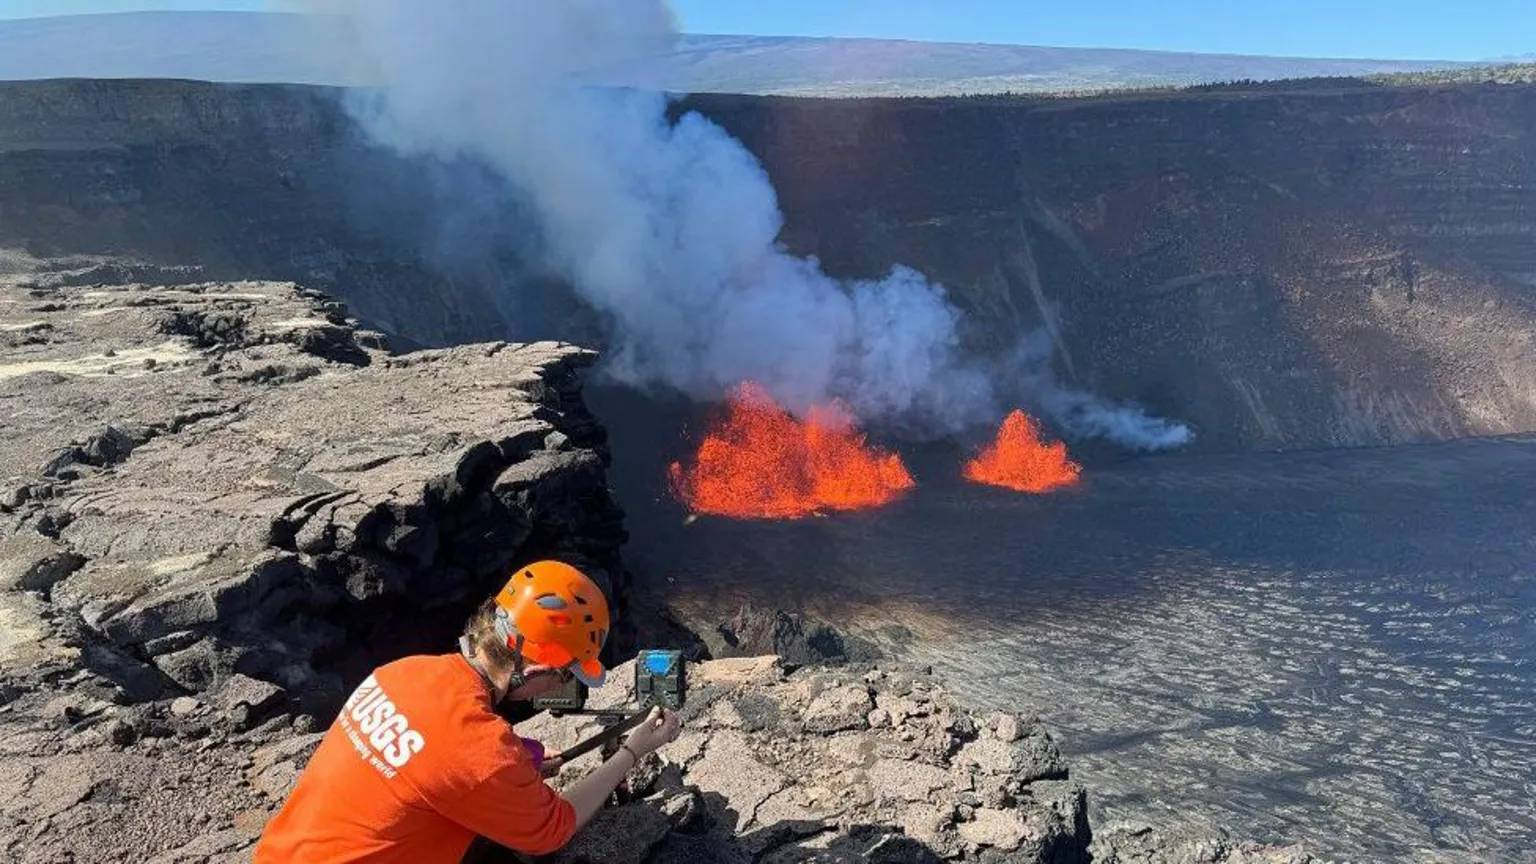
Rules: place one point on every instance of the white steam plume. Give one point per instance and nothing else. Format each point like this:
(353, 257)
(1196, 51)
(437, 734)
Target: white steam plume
(667, 228)
(1082, 414)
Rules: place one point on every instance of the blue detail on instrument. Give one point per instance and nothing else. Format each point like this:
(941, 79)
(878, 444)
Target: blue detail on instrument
(659, 662)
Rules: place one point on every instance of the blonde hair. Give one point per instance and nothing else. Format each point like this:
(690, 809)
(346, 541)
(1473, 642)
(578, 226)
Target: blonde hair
(480, 629)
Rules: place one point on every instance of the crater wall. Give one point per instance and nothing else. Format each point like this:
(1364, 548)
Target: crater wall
(1339, 265)
(1282, 266)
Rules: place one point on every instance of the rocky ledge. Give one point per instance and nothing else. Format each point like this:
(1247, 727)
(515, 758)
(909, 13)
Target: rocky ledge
(832, 764)
(218, 501)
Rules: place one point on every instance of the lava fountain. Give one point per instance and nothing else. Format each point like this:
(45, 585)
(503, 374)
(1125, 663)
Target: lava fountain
(758, 461)
(1020, 460)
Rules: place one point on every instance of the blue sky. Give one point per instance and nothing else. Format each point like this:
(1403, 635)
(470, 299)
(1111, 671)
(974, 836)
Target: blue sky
(1431, 29)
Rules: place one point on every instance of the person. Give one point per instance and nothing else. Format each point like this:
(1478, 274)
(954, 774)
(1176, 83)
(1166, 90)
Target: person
(418, 762)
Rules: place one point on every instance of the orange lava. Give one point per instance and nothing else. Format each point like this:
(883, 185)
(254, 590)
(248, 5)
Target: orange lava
(761, 462)
(1018, 459)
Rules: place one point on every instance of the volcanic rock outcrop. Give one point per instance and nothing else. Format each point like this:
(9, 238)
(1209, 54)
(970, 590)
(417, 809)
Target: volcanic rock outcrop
(222, 499)
(207, 475)
(782, 763)
(832, 764)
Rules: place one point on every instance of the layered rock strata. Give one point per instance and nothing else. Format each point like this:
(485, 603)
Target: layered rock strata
(1291, 265)
(205, 485)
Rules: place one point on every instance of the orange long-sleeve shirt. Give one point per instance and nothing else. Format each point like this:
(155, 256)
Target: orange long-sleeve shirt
(415, 765)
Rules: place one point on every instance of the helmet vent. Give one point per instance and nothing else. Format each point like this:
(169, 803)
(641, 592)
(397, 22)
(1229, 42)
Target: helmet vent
(581, 600)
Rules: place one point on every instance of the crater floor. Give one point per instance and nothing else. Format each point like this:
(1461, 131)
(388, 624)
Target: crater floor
(1334, 648)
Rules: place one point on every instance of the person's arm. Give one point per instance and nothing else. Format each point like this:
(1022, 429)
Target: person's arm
(588, 794)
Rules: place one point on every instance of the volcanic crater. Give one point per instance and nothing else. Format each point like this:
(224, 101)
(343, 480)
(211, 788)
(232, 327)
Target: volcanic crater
(1310, 623)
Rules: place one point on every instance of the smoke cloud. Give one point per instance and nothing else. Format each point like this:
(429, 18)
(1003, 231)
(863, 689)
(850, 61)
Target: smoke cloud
(667, 229)
(1085, 415)
(1080, 413)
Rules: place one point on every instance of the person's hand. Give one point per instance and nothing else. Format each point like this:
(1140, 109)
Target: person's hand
(658, 728)
(550, 766)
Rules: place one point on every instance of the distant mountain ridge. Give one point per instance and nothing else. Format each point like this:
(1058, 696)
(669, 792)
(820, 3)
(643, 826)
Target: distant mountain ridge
(792, 65)
(253, 47)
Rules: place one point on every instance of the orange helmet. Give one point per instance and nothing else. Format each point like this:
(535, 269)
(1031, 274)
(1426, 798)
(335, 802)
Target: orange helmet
(555, 615)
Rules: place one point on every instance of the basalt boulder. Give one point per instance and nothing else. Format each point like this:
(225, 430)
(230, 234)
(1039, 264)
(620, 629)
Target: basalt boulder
(760, 774)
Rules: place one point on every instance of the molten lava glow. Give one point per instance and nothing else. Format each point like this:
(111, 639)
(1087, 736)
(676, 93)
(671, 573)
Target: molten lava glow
(1019, 460)
(759, 461)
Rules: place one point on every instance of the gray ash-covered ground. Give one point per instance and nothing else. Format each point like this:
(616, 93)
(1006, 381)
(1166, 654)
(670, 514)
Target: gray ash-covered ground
(1335, 648)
